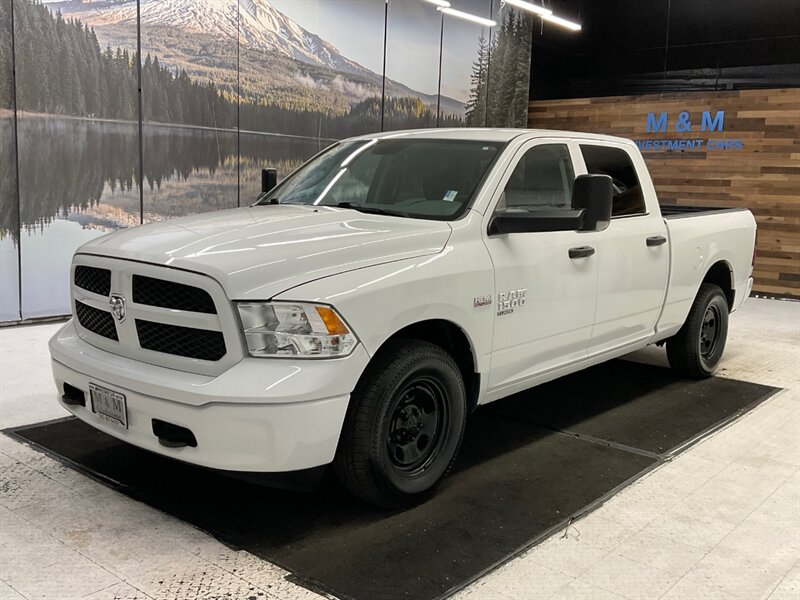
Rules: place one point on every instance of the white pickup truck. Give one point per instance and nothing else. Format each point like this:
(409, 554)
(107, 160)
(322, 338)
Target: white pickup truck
(365, 305)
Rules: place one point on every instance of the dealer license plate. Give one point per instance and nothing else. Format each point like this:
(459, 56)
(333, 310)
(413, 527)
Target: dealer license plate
(109, 405)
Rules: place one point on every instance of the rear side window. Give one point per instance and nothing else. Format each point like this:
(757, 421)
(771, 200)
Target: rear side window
(542, 180)
(615, 162)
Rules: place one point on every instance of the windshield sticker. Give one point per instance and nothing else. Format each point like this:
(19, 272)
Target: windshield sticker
(450, 195)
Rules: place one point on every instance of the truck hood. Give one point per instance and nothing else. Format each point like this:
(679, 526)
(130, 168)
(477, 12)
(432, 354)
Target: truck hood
(261, 251)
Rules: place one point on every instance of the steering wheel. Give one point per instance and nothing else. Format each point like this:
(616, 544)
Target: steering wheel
(619, 186)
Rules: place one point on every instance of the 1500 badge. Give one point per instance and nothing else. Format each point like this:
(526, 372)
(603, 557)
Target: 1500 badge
(508, 301)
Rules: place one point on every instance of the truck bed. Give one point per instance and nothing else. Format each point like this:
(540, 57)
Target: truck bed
(679, 211)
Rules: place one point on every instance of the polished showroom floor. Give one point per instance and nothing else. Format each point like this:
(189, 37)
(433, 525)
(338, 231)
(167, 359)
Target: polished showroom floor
(720, 521)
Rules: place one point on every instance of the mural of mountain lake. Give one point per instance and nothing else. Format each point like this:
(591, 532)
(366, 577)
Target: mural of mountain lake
(78, 181)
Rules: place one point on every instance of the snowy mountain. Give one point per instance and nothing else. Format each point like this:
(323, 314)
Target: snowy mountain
(173, 28)
(261, 26)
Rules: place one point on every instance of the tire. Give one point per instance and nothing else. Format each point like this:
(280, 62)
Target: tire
(404, 425)
(696, 349)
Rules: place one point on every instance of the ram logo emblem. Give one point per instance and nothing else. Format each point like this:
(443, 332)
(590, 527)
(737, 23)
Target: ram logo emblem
(117, 303)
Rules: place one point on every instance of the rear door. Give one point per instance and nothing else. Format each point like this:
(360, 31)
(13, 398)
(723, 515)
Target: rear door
(632, 253)
(545, 301)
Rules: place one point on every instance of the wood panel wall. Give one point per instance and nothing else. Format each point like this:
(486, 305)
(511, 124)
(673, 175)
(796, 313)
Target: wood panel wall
(764, 175)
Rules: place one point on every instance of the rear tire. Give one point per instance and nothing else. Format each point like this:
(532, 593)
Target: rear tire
(696, 349)
(404, 425)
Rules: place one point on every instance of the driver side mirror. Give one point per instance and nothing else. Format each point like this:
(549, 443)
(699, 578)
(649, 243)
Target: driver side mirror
(269, 179)
(595, 195)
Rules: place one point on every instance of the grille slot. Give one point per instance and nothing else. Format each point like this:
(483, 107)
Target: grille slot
(168, 294)
(93, 279)
(183, 341)
(95, 320)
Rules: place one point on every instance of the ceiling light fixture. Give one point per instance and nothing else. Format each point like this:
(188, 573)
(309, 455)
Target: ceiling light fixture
(467, 16)
(571, 25)
(442, 3)
(534, 8)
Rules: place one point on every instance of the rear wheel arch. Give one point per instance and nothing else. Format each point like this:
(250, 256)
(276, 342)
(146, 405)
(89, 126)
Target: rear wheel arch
(696, 349)
(721, 275)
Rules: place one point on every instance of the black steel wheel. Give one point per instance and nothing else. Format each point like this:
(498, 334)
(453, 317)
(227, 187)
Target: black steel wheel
(404, 425)
(709, 331)
(418, 417)
(696, 349)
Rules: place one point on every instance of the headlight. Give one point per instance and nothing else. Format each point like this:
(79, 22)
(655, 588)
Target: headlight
(294, 329)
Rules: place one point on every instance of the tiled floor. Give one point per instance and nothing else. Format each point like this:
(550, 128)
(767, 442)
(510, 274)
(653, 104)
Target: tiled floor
(720, 521)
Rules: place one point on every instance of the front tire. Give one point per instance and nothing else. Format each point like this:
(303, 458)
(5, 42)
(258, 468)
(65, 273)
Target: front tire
(404, 425)
(696, 349)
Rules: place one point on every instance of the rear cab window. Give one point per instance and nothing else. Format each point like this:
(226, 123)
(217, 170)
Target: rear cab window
(617, 163)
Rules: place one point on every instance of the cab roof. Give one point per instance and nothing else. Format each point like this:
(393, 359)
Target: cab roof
(486, 134)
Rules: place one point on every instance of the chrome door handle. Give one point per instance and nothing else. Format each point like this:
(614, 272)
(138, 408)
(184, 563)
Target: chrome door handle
(656, 240)
(581, 252)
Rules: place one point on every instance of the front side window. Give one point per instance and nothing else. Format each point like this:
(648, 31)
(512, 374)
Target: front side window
(541, 180)
(615, 162)
(419, 178)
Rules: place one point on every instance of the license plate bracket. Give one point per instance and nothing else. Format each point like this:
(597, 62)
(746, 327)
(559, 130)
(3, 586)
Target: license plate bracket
(109, 405)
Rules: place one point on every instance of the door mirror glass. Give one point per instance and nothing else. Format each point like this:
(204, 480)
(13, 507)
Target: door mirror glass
(593, 194)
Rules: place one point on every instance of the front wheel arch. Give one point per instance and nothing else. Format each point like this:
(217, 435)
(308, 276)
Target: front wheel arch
(454, 340)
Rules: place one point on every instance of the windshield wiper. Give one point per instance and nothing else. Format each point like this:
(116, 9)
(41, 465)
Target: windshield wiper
(371, 210)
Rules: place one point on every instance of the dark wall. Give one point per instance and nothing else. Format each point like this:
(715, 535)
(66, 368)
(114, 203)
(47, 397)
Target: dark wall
(649, 46)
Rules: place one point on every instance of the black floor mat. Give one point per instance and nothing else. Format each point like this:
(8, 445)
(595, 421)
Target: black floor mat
(634, 405)
(528, 464)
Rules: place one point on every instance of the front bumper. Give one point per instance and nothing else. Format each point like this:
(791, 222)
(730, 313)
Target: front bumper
(261, 415)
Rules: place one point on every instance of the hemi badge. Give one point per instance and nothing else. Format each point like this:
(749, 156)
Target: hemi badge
(479, 301)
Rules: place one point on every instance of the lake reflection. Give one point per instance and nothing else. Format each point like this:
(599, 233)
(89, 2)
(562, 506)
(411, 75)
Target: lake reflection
(9, 255)
(78, 180)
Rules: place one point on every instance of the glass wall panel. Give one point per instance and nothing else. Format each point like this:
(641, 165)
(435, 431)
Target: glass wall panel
(9, 203)
(189, 102)
(312, 70)
(76, 96)
(465, 67)
(509, 68)
(412, 66)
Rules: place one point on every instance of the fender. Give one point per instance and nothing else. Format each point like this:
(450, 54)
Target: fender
(381, 300)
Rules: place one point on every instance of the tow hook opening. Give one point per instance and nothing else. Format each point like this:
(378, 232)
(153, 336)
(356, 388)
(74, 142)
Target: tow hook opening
(73, 396)
(173, 436)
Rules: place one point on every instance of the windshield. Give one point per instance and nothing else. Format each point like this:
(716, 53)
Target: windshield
(420, 178)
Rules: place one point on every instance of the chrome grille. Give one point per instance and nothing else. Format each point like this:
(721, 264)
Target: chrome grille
(93, 279)
(183, 341)
(95, 320)
(168, 294)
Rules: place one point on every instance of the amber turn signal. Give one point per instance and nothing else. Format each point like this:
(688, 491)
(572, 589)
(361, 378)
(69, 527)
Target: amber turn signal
(332, 321)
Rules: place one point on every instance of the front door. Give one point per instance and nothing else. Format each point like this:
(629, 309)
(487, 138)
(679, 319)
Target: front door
(545, 282)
